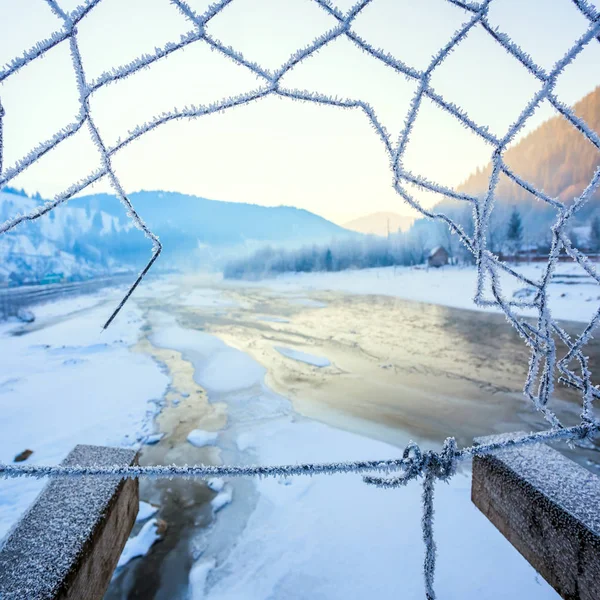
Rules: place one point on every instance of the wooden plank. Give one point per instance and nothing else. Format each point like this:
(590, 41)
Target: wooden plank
(68, 543)
(548, 507)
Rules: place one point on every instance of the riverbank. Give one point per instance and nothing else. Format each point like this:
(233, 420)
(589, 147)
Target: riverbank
(63, 383)
(574, 297)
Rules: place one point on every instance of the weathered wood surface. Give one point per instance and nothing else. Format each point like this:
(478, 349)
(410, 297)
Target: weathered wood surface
(68, 543)
(548, 507)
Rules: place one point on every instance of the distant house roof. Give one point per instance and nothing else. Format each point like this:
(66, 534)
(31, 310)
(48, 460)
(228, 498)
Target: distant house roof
(436, 250)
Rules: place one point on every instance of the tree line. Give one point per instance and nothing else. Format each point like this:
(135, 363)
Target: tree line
(510, 234)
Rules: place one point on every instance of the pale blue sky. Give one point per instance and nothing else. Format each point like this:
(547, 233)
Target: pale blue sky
(277, 151)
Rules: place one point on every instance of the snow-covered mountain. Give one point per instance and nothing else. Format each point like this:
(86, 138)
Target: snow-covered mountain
(192, 220)
(93, 234)
(63, 242)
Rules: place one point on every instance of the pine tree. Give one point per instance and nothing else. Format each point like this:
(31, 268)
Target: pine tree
(595, 234)
(514, 233)
(97, 222)
(328, 260)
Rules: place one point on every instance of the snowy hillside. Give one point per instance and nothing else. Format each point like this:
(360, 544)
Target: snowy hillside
(67, 241)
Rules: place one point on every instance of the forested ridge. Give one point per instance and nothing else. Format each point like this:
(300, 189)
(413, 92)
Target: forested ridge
(555, 157)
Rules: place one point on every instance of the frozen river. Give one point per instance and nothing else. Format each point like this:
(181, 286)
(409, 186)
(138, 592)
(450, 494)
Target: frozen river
(232, 374)
(324, 376)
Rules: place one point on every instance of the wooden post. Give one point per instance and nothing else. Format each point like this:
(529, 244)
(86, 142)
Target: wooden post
(548, 507)
(67, 544)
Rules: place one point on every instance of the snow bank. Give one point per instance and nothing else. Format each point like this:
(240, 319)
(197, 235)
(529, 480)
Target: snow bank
(197, 578)
(153, 438)
(145, 511)
(200, 438)
(447, 286)
(67, 383)
(215, 361)
(215, 484)
(223, 498)
(310, 359)
(44, 312)
(140, 544)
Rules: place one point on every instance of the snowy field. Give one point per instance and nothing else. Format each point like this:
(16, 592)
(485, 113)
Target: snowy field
(66, 383)
(574, 297)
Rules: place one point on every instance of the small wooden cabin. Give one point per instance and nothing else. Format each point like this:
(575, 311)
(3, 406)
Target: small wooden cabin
(438, 257)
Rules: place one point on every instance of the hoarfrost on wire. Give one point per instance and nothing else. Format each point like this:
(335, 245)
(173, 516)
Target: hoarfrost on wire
(541, 337)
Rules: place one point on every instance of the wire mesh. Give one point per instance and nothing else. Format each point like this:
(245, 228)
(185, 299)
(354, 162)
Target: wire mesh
(541, 337)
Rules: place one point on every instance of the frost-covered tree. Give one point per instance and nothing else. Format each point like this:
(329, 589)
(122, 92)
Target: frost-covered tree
(514, 232)
(573, 235)
(97, 223)
(328, 260)
(595, 234)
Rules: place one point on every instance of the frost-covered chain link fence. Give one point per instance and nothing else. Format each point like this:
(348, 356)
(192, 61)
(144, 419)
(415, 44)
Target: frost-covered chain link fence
(541, 337)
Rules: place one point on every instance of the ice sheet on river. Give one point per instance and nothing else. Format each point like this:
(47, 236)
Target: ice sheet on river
(219, 368)
(200, 438)
(333, 537)
(310, 359)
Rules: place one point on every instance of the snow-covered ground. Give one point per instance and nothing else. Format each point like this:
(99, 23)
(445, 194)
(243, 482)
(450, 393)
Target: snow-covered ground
(448, 286)
(66, 383)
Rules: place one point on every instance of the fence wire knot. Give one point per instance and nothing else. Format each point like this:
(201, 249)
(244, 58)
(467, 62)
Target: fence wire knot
(414, 463)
